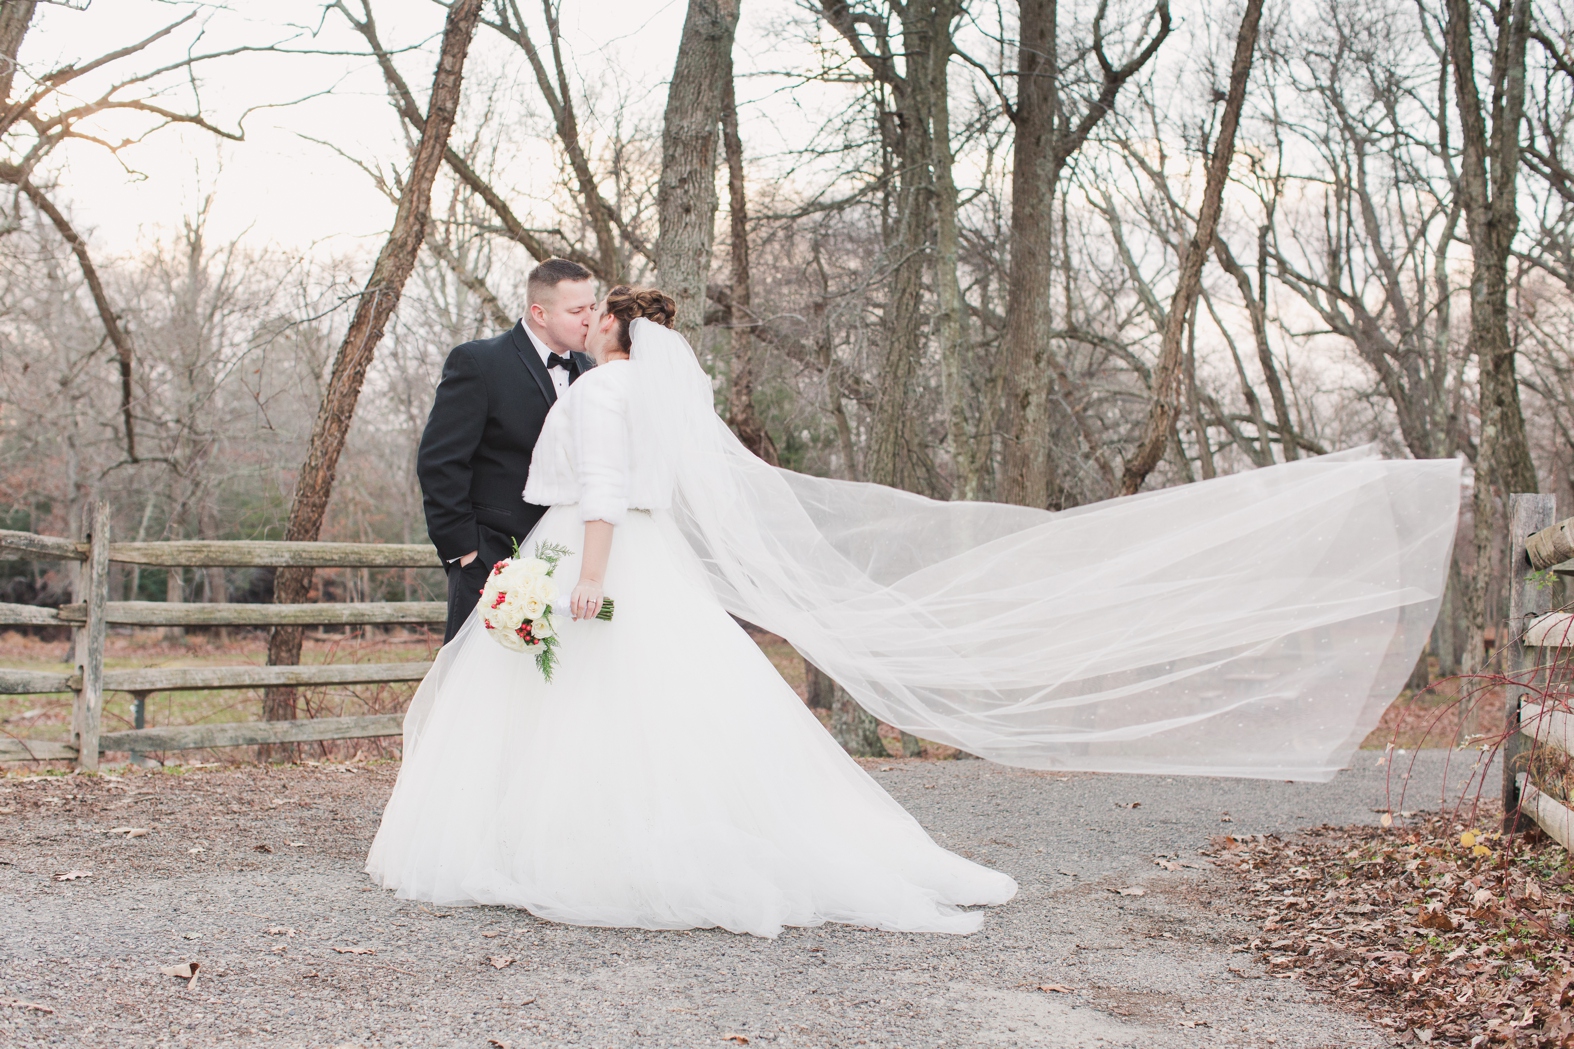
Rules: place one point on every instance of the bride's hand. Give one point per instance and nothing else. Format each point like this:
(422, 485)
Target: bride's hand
(585, 601)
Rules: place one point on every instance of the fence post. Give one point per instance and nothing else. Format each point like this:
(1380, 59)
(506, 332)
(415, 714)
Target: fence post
(1529, 594)
(89, 707)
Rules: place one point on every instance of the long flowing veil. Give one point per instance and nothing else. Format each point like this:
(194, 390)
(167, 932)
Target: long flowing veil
(1251, 625)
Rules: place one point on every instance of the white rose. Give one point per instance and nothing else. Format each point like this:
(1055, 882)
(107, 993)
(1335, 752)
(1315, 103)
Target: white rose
(507, 638)
(533, 567)
(542, 627)
(533, 607)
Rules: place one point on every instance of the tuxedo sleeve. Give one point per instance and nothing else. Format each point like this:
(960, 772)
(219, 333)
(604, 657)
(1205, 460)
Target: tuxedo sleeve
(452, 435)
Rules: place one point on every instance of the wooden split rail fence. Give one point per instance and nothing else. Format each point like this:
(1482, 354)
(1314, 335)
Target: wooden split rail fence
(1537, 655)
(91, 617)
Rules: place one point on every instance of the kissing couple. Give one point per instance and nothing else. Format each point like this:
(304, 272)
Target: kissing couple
(667, 777)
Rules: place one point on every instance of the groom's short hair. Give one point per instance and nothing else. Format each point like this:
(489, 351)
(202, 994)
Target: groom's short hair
(550, 274)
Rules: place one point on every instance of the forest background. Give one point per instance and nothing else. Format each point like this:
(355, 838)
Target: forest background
(1040, 252)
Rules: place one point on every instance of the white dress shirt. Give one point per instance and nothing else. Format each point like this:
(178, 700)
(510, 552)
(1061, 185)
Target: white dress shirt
(559, 375)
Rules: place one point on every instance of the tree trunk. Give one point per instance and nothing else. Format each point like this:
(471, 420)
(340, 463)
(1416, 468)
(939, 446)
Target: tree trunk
(174, 593)
(1161, 415)
(967, 465)
(686, 197)
(742, 414)
(896, 454)
(314, 484)
(1198, 429)
(1046, 138)
(1257, 308)
(1487, 187)
(1025, 473)
(855, 728)
(818, 686)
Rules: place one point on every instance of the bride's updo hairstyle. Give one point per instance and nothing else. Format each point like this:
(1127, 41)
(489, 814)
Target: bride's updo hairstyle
(627, 304)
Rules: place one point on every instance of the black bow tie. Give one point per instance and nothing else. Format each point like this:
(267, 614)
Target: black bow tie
(568, 364)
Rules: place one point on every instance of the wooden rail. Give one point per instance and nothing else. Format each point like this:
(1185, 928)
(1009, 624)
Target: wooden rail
(194, 737)
(185, 679)
(89, 619)
(170, 613)
(1549, 545)
(1555, 729)
(227, 553)
(1536, 546)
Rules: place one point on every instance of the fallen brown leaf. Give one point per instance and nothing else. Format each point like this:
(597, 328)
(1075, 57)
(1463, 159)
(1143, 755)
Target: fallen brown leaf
(501, 961)
(498, 1043)
(1134, 890)
(130, 832)
(279, 930)
(1058, 988)
(354, 950)
(491, 935)
(739, 1038)
(73, 875)
(264, 847)
(1440, 944)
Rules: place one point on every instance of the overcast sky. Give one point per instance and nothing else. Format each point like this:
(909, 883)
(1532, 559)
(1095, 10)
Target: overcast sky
(278, 186)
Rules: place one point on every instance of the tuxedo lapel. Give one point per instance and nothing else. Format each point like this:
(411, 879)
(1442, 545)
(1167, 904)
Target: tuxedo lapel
(532, 362)
(584, 362)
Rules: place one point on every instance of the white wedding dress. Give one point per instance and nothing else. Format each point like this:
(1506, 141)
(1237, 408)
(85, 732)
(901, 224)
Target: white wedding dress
(667, 777)
(1256, 624)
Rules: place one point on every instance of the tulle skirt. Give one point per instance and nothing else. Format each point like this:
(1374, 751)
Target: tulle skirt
(667, 777)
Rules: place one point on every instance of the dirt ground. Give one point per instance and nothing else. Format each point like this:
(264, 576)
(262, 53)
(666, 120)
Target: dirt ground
(1123, 933)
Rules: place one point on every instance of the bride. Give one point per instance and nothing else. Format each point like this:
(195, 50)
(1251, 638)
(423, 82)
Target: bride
(1252, 625)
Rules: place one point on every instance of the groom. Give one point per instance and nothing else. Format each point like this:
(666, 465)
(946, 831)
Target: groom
(491, 402)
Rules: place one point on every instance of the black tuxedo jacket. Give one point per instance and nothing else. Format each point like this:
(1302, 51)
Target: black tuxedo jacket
(475, 451)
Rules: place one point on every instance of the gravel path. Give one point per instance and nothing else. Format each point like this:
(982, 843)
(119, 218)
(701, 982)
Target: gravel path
(80, 959)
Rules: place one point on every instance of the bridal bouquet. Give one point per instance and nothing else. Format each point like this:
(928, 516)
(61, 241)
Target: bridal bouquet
(516, 604)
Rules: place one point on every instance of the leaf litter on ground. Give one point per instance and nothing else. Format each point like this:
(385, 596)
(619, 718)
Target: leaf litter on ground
(1441, 931)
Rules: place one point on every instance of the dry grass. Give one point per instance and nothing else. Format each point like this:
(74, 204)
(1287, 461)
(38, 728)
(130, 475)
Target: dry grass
(48, 717)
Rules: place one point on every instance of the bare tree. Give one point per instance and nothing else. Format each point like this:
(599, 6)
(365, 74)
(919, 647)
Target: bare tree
(1488, 192)
(1049, 132)
(687, 198)
(1161, 415)
(742, 414)
(34, 123)
(905, 48)
(314, 483)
